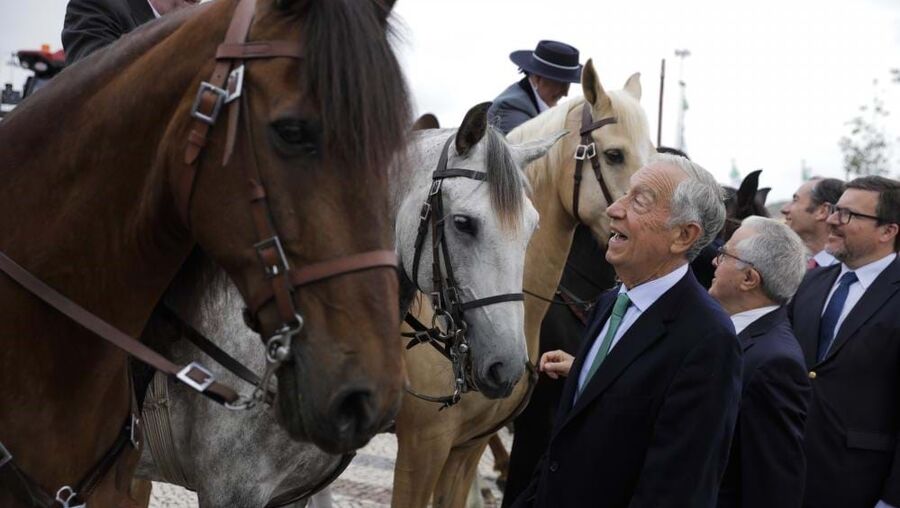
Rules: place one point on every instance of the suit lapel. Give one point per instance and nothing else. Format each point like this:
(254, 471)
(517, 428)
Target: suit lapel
(881, 290)
(649, 327)
(808, 311)
(760, 327)
(525, 85)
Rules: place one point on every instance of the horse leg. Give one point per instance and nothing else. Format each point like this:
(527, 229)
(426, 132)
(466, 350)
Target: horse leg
(501, 459)
(417, 469)
(452, 489)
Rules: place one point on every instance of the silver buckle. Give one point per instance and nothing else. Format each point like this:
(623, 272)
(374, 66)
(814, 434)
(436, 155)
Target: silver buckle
(273, 270)
(5, 456)
(221, 95)
(235, 84)
(135, 440)
(199, 386)
(585, 151)
(69, 494)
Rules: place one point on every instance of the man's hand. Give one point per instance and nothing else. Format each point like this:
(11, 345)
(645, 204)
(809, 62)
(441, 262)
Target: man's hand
(556, 363)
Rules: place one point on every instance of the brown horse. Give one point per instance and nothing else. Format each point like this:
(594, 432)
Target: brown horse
(97, 213)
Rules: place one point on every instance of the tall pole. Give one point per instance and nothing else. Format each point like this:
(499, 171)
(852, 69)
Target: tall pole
(682, 54)
(662, 86)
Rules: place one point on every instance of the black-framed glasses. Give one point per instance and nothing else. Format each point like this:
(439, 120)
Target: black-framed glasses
(721, 253)
(845, 214)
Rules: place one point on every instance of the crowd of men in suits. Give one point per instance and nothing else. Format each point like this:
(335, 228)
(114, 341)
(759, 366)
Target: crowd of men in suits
(778, 387)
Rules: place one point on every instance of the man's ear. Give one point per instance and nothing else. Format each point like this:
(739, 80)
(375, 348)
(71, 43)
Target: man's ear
(821, 212)
(890, 232)
(685, 236)
(752, 280)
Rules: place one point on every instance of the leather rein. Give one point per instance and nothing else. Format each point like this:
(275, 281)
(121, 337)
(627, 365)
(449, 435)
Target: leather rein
(223, 90)
(447, 333)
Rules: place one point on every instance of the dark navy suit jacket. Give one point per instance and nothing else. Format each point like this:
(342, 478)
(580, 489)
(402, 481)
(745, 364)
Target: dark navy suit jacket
(767, 466)
(853, 427)
(93, 24)
(513, 107)
(653, 426)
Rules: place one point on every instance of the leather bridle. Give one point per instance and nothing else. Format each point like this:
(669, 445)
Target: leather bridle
(223, 90)
(447, 333)
(588, 150)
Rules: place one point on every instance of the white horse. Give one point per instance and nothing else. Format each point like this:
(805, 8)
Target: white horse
(244, 458)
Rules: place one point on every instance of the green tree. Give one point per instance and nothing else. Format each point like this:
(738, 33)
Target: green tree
(867, 148)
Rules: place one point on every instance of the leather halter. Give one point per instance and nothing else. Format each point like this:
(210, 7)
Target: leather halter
(588, 150)
(448, 329)
(223, 88)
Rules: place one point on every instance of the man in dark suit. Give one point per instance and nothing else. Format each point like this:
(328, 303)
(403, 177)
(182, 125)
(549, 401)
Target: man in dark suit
(647, 415)
(847, 320)
(93, 24)
(807, 212)
(549, 70)
(757, 272)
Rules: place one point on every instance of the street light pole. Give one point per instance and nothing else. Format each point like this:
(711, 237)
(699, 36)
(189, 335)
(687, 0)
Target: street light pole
(682, 54)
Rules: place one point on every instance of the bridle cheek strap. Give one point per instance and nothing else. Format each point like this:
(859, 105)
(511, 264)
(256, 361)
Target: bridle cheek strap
(588, 150)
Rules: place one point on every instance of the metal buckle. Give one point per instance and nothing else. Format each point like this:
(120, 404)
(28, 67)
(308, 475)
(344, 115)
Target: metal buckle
(425, 212)
(69, 494)
(585, 151)
(278, 347)
(235, 84)
(5, 456)
(435, 188)
(221, 95)
(199, 386)
(135, 440)
(273, 270)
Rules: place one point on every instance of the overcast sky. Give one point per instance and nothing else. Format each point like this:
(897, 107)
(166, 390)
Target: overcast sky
(770, 83)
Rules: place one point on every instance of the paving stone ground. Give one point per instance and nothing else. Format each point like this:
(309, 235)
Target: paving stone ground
(365, 484)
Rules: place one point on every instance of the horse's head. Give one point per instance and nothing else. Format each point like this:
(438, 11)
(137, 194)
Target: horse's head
(748, 200)
(487, 222)
(318, 133)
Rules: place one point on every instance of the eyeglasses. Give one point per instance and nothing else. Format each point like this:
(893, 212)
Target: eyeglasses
(844, 214)
(721, 253)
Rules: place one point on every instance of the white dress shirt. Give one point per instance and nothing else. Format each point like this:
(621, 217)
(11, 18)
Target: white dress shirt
(865, 275)
(542, 106)
(153, 8)
(823, 258)
(742, 320)
(642, 297)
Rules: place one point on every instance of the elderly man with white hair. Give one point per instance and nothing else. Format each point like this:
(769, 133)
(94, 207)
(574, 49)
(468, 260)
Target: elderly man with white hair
(757, 273)
(647, 415)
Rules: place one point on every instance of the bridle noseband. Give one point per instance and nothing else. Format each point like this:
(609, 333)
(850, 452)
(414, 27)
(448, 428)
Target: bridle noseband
(588, 150)
(447, 332)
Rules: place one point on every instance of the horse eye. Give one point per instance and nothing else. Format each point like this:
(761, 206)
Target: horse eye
(614, 156)
(465, 224)
(297, 136)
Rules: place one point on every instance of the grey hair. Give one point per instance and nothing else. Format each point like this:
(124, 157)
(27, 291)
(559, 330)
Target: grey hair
(777, 253)
(697, 199)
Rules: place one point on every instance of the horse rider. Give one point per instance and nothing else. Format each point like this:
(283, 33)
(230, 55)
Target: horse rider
(93, 24)
(549, 70)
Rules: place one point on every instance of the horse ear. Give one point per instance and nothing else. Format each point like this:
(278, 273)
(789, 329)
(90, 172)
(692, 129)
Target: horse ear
(472, 129)
(426, 121)
(526, 153)
(384, 8)
(746, 195)
(593, 90)
(761, 196)
(633, 86)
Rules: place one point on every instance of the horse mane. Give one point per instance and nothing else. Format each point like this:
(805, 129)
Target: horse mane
(504, 179)
(627, 111)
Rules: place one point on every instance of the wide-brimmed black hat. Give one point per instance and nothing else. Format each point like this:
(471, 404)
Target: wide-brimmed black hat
(550, 59)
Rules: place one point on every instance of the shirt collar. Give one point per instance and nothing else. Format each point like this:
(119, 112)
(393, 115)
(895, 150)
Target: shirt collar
(542, 106)
(155, 14)
(742, 320)
(644, 295)
(823, 258)
(868, 273)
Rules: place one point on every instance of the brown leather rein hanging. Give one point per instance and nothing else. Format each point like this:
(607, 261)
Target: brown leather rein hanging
(223, 89)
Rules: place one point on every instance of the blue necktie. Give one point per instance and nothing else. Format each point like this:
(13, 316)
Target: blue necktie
(832, 313)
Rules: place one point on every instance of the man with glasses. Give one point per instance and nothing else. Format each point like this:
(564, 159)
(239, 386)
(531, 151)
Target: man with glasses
(757, 272)
(806, 214)
(847, 320)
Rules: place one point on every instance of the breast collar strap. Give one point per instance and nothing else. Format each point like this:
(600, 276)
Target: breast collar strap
(588, 150)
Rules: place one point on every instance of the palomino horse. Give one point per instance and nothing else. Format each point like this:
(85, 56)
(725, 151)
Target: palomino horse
(108, 209)
(239, 459)
(439, 451)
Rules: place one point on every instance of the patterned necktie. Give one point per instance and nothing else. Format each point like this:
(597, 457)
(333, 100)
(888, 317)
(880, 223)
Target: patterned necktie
(618, 312)
(832, 313)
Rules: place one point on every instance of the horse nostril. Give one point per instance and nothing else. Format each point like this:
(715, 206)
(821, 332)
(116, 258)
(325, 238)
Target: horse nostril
(495, 374)
(354, 411)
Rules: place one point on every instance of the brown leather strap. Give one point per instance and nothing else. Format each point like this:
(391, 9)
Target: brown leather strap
(194, 375)
(259, 49)
(588, 149)
(326, 269)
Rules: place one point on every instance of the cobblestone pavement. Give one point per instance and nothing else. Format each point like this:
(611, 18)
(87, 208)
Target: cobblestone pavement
(365, 484)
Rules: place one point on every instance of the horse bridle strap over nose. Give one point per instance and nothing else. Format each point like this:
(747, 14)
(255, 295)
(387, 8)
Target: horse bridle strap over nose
(588, 150)
(450, 338)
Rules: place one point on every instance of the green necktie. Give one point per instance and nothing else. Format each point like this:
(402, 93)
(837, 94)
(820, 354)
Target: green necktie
(618, 312)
